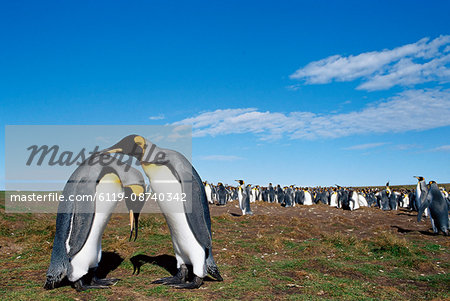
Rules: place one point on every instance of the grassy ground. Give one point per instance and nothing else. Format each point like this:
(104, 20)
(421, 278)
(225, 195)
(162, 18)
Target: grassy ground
(300, 253)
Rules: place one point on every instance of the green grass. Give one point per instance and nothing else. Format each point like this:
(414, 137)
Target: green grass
(305, 263)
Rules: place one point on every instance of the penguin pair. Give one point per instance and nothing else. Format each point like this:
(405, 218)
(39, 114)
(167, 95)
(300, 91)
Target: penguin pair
(90, 196)
(187, 216)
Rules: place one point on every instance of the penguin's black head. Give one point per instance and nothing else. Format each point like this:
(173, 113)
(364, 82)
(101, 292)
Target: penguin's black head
(241, 182)
(419, 178)
(132, 145)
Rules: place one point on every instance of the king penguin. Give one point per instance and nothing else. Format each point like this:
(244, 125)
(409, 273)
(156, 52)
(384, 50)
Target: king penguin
(308, 198)
(421, 190)
(435, 201)
(80, 224)
(188, 218)
(208, 192)
(244, 197)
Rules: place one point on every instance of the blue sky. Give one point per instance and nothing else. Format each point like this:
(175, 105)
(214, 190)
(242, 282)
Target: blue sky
(290, 92)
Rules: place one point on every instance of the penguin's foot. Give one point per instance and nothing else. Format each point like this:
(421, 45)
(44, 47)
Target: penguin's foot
(168, 281)
(104, 281)
(195, 283)
(80, 286)
(179, 278)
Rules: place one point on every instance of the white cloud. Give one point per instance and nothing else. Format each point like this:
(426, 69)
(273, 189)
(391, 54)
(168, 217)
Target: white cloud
(407, 111)
(424, 61)
(365, 146)
(220, 158)
(443, 148)
(407, 146)
(293, 87)
(182, 131)
(157, 117)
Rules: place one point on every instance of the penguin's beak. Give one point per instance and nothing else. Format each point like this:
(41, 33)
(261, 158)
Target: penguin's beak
(134, 224)
(113, 150)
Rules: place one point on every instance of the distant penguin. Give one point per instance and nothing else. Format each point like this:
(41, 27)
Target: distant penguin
(259, 191)
(371, 200)
(334, 198)
(288, 197)
(383, 198)
(80, 224)
(234, 194)
(253, 194)
(299, 196)
(421, 189)
(354, 200)
(208, 192)
(435, 201)
(393, 199)
(412, 200)
(362, 201)
(271, 193)
(405, 200)
(265, 195)
(173, 177)
(244, 197)
(345, 199)
(222, 193)
(279, 194)
(308, 201)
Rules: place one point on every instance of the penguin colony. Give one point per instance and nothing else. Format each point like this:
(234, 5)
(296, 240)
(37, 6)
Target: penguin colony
(426, 199)
(80, 225)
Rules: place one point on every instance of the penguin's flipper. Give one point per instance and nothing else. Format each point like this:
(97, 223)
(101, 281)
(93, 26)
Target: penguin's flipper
(425, 204)
(83, 215)
(211, 267)
(59, 263)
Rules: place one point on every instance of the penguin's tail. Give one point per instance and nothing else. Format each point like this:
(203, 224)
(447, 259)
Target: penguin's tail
(212, 268)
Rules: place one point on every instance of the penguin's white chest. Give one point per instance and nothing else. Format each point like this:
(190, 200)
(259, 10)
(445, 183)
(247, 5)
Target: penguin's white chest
(308, 199)
(89, 256)
(169, 195)
(333, 200)
(406, 201)
(208, 194)
(240, 197)
(362, 201)
(355, 199)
